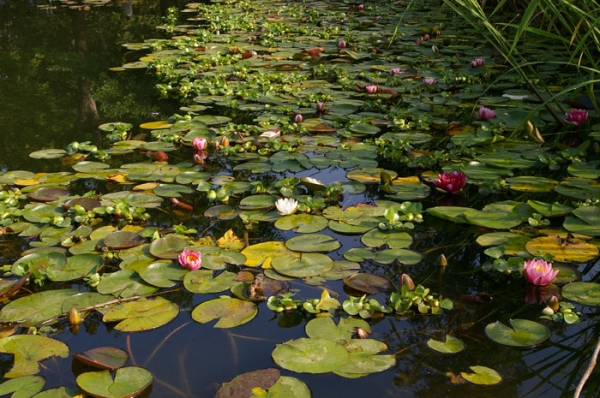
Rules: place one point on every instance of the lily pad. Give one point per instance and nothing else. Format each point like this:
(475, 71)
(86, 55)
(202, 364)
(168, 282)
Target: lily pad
(28, 350)
(124, 283)
(129, 381)
(205, 281)
(452, 345)
(482, 375)
(563, 250)
(394, 239)
(120, 240)
(162, 273)
(308, 264)
(110, 358)
(35, 308)
(585, 222)
(168, 247)
(230, 312)
(368, 283)
(261, 254)
(523, 333)
(302, 223)
(310, 355)
(587, 293)
(136, 316)
(363, 358)
(23, 387)
(313, 243)
(325, 327)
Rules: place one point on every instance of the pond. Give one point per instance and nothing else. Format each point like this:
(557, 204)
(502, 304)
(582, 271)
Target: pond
(145, 242)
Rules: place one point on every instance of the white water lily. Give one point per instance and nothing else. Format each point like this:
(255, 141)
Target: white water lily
(286, 206)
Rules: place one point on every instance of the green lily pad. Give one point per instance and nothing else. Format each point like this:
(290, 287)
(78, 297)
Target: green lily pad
(90, 167)
(363, 358)
(493, 219)
(124, 283)
(579, 188)
(403, 256)
(215, 258)
(129, 381)
(136, 316)
(264, 383)
(523, 333)
(168, 247)
(77, 267)
(35, 308)
(531, 184)
(310, 355)
(584, 169)
(313, 243)
(309, 264)
(163, 273)
(28, 350)
(369, 175)
(359, 254)
(511, 243)
(549, 209)
(110, 358)
(60, 392)
(172, 190)
(587, 293)
(85, 299)
(482, 375)
(586, 221)
(39, 263)
(341, 269)
(394, 239)
(23, 387)
(230, 312)
(222, 212)
(48, 154)
(364, 129)
(204, 281)
(257, 202)
(452, 345)
(302, 223)
(325, 327)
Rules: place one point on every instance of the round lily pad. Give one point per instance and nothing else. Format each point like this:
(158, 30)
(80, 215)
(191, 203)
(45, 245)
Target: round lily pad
(168, 247)
(368, 283)
(122, 240)
(587, 293)
(482, 375)
(136, 316)
(302, 223)
(313, 243)
(48, 154)
(230, 312)
(110, 358)
(129, 381)
(563, 250)
(452, 345)
(523, 333)
(48, 194)
(314, 355)
(309, 264)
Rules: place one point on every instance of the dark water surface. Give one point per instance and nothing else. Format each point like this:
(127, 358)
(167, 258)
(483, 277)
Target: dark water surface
(56, 87)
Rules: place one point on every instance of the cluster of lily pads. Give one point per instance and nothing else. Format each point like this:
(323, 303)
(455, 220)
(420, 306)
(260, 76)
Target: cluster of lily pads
(272, 97)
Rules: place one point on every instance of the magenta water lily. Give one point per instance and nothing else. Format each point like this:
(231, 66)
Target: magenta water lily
(429, 81)
(486, 113)
(451, 182)
(477, 62)
(539, 272)
(577, 116)
(199, 143)
(395, 71)
(372, 88)
(190, 259)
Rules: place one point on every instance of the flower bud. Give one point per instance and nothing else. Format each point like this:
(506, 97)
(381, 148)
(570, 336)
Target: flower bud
(407, 281)
(74, 317)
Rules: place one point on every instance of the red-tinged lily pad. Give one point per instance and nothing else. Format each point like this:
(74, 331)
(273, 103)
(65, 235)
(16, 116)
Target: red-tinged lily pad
(110, 358)
(168, 247)
(230, 312)
(120, 240)
(264, 383)
(368, 283)
(523, 333)
(22, 387)
(10, 285)
(452, 345)
(88, 204)
(587, 293)
(129, 381)
(136, 316)
(48, 194)
(482, 376)
(28, 350)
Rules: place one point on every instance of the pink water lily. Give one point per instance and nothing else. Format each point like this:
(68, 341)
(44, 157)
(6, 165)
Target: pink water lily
(429, 81)
(341, 43)
(372, 88)
(199, 157)
(298, 118)
(190, 259)
(539, 272)
(451, 182)
(320, 106)
(199, 144)
(426, 37)
(486, 113)
(395, 71)
(577, 116)
(477, 62)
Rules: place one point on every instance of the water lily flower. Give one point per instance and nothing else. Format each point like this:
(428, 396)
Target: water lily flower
(372, 88)
(539, 272)
(361, 7)
(298, 118)
(451, 182)
(486, 113)
(190, 259)
(286, 206)
(577, 116)
(429, 81)
(395, 71)
(418, 40)
(341, 43)
(272, 133)
(426, 37)
(199, 144)
(320, 106)
(477, 62)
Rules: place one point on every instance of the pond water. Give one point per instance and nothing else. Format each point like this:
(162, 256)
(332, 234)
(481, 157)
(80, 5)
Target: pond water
(57, 87)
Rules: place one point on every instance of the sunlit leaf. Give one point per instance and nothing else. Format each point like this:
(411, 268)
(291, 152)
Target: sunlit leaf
(30, 349)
